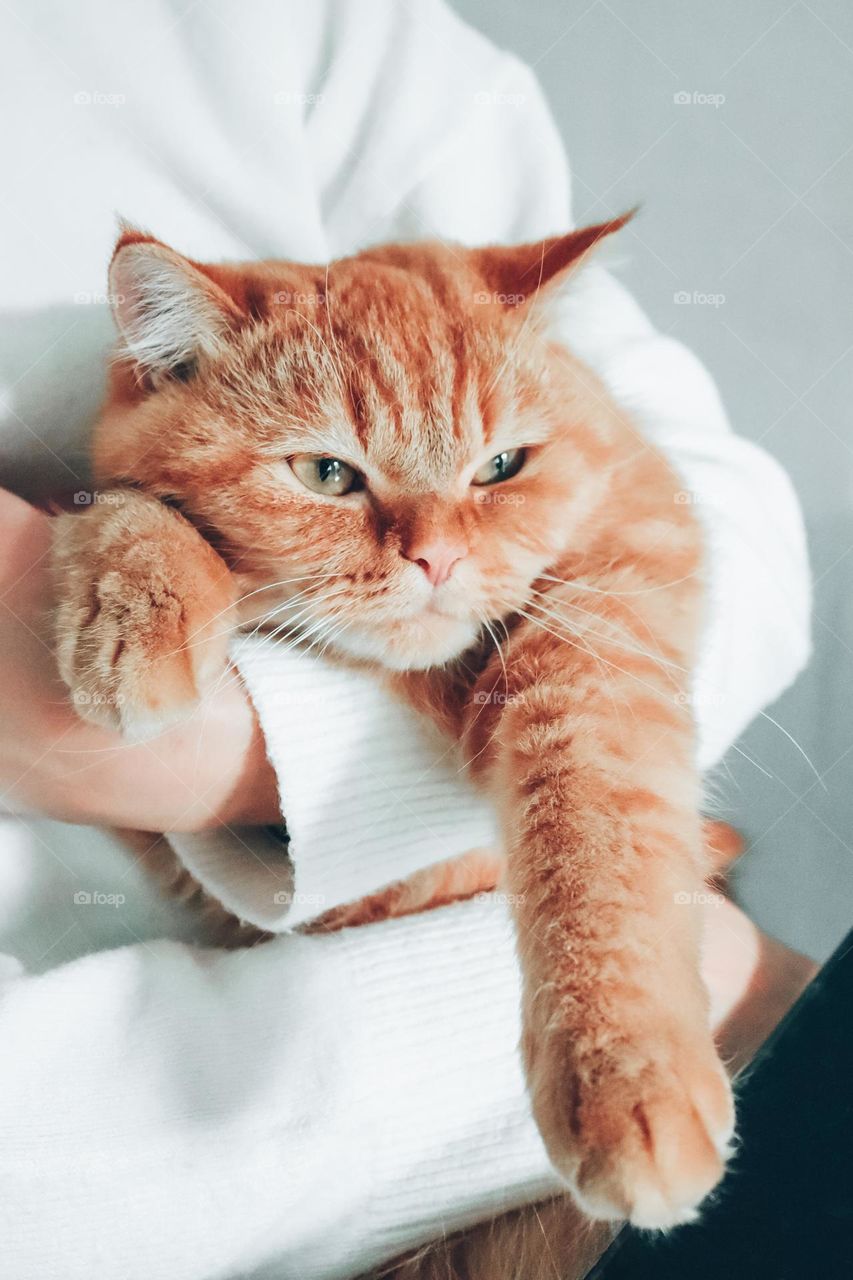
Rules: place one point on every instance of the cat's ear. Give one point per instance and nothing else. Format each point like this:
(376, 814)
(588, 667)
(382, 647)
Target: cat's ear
(168, 312)
(516, 274)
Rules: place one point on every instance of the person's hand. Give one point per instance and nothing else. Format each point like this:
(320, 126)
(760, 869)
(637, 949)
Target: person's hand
(209, 771)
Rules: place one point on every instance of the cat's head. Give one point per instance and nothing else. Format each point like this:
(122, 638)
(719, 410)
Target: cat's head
(393, 441)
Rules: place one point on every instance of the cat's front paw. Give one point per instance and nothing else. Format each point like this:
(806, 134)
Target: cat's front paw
(137, 652)
(639, 1127)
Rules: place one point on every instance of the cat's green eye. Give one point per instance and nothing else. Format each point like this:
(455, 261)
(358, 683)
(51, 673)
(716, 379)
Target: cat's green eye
(329, 476)
(501, 467)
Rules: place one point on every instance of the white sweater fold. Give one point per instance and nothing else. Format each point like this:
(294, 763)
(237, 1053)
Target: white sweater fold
(307, 1108)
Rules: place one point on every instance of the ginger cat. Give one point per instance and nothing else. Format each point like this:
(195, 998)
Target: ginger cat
(395, 458)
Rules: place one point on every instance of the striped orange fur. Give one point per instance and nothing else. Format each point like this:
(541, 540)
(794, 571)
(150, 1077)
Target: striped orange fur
(548, 621)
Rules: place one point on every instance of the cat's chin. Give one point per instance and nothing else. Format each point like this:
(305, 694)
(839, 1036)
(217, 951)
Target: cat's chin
(412, 644)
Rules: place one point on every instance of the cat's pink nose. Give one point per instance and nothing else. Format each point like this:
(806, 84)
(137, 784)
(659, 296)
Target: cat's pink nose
(437, 557)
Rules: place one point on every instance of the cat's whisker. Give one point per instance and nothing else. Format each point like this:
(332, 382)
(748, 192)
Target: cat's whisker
(305, 599)
(311, 578)
(260, 619)
(234, 629)
(267, 639)
(466, 764)
(292, 632)
(584, 629)
(294, 624)
(341, 621)
(334, 635)
(659, 658)
(284, 582)
(323, 630)
(231, 674)
(488, 627)
(271, 586)
(609, 591)
(764, 715)
(662, 660)
(571, 640)
(567, 631)
(756, 765)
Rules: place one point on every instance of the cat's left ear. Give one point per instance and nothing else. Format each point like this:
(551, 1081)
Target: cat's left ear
(169, 313)
(517, 274)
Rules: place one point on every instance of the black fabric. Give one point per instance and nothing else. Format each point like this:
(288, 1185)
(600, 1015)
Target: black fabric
(785, 1209)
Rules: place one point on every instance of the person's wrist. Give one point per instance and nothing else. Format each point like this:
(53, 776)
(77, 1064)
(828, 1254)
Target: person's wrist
(233, 782)
(211, 770)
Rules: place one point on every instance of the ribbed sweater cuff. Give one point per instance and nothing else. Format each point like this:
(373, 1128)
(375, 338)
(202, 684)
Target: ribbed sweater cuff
(370, 792)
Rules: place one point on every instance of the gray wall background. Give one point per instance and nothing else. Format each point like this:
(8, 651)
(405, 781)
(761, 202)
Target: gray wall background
(751, 198)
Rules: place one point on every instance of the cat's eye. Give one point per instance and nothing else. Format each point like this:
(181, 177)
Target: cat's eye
(503, 466)
(329, 476)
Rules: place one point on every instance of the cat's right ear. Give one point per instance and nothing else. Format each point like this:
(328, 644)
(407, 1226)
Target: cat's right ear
(520, 274)
(168, 312)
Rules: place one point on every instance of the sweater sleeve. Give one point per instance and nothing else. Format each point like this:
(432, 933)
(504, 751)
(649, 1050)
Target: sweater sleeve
(308, 1107)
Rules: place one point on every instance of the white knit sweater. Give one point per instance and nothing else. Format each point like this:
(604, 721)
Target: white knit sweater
(312, 1106)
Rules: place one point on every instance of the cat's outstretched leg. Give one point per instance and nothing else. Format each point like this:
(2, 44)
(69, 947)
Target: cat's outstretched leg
(143, 615)
(606, 865)
(591, 757)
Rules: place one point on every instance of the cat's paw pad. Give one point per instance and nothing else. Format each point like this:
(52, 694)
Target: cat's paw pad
(636, 1135)
(135, 656)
